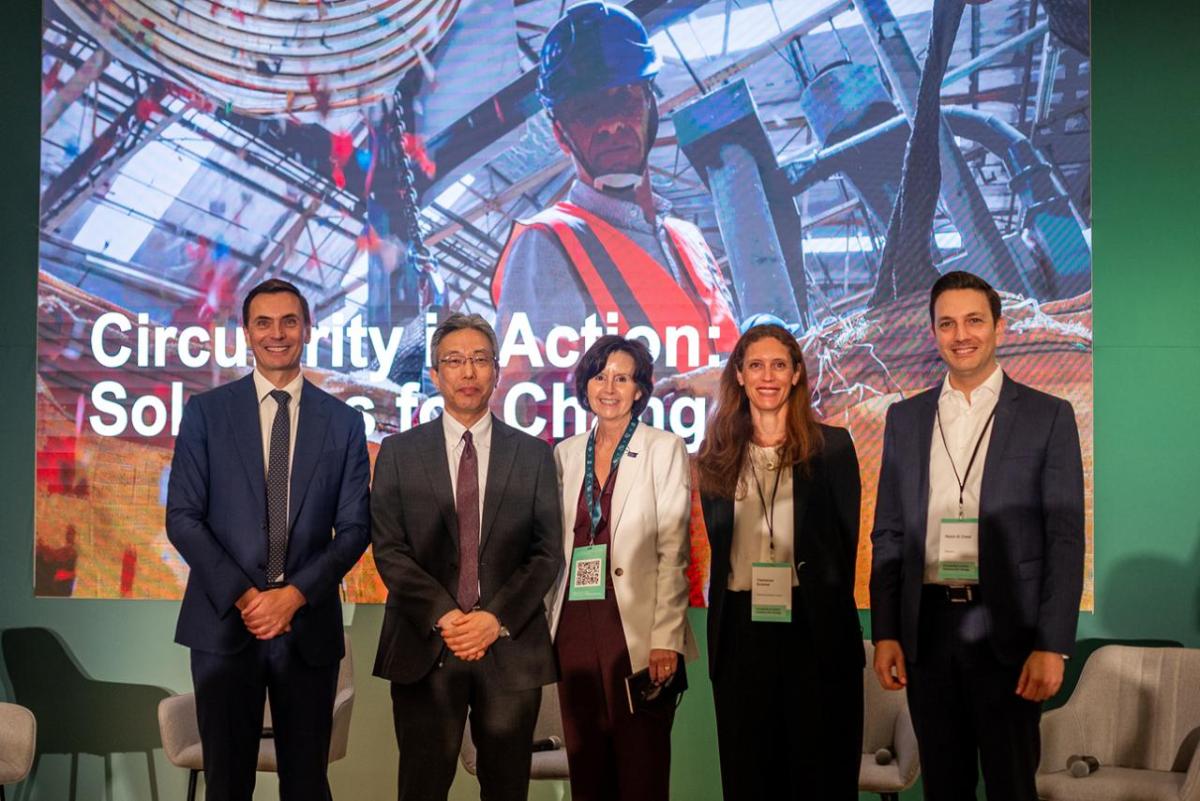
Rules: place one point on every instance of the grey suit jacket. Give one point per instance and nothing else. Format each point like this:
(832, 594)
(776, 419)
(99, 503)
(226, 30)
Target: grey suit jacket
(414, 532)
(1031, 525)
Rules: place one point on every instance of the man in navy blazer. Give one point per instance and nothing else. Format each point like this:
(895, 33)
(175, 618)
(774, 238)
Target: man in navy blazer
(266, 470)
(978, 557)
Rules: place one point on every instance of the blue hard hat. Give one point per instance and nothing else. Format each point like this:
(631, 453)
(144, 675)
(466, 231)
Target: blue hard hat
(766, 318)
(595, 45)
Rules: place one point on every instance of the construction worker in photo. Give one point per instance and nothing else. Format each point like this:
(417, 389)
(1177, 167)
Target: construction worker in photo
(609, 248)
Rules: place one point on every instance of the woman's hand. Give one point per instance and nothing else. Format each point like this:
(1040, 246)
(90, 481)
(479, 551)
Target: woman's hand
(662, 664)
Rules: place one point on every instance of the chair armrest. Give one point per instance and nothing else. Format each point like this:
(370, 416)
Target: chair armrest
(177, 725)
(18, 736)
(1062, 736)
(908, 757)
(1191, 782)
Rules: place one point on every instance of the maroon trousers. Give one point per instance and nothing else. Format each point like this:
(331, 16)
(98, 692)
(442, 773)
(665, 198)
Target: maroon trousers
(613, 755)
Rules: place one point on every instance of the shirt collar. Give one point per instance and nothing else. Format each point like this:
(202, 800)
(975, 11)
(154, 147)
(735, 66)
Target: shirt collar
(263, 387)
(615, 211)
(990, 386)
(480, 432)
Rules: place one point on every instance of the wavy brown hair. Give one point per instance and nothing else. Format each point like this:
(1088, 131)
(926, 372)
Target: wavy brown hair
(730, 429)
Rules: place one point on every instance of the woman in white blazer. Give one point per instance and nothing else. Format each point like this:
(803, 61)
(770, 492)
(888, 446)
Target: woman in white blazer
(620, 604)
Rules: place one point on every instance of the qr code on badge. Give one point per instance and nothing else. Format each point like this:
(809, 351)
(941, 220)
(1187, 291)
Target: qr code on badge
(587, 572)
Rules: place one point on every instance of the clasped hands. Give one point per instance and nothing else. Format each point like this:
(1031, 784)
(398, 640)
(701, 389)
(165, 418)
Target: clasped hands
(268, 613)
(468, 635)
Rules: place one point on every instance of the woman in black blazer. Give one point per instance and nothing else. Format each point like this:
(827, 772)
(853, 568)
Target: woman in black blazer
(780, 495)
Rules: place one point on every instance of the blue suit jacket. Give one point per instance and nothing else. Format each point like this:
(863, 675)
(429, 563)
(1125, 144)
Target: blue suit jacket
(217, 516)
(1031, 525)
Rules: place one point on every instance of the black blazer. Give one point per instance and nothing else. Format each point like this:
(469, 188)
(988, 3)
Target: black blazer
(414, 532)
(217, 516)
(825, 504)
(1031, 524)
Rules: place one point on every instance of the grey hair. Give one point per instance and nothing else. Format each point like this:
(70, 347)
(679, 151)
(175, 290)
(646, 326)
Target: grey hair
(461, 322)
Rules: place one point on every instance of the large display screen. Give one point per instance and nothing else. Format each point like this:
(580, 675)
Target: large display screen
(395, 162)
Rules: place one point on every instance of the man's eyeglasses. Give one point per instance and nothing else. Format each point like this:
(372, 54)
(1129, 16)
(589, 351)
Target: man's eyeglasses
(456, 362)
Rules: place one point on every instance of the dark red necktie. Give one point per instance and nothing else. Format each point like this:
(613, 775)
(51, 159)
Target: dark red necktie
(466, 504)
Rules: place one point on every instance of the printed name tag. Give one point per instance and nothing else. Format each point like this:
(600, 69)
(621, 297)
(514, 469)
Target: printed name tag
(958, 550)
(771, 592)
(589, 566)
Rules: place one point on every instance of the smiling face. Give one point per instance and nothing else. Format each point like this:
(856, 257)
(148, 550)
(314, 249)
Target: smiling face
(966, 335)
(612, 392)
(606, 130)
(465, 374)
(768, 374)
(277, 334)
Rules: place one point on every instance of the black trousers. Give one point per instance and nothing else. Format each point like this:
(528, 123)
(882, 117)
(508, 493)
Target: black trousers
(429, 717)
(966, 712)
(231, 690)
(786, 730)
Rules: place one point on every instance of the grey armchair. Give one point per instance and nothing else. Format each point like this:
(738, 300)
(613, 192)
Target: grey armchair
(546, 764)
(1137, 711)
(886, 724)
(181, 733)
(18, 733)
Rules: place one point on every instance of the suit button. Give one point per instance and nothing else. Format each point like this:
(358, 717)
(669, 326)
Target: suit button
(618, 572)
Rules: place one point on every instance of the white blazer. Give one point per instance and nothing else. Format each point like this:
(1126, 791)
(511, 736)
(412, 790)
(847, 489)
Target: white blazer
(650, 545)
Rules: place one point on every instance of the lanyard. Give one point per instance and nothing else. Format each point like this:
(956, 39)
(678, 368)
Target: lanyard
(962, 482)
(768, 513)
(589, 479)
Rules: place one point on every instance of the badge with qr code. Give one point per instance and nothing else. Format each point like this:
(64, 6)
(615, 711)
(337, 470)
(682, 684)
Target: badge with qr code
(589, 566)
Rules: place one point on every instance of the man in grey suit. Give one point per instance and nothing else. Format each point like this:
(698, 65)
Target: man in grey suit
(978, 544)
(466, 529)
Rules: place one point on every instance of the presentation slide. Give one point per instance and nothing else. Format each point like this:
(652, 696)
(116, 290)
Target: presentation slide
(400, 160)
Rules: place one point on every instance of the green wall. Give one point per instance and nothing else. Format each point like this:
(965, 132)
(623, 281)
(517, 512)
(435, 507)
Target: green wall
(1147, 372)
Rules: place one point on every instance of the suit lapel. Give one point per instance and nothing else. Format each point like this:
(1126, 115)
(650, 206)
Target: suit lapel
(432, 446)
(629, 474)
(243, 416)
(573, 465)
(925, 425)
(801, 485)
(1002, 427)
(310, 440)
(500, 462)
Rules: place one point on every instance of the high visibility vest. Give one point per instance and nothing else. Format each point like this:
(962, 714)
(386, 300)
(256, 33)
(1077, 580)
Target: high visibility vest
(623, 279)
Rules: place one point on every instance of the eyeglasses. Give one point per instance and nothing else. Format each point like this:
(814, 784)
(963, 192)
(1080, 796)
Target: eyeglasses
(456, 362)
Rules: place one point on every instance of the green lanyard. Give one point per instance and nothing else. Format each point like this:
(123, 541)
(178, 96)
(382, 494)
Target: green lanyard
(589, 479)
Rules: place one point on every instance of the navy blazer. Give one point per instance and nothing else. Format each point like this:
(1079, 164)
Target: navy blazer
(217, 516)
(414, 534)
(825, 509)
(1031, 525)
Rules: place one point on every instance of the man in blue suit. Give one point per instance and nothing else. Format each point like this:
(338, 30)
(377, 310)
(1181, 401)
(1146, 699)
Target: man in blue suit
(978, 555)
(266, 470)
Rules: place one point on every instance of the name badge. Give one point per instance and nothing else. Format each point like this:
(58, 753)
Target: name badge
(771, 592)
(958, 550)
(589, 566)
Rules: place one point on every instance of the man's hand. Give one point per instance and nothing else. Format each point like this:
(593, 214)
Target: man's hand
(1041, 677)
(889, 660)
(269, 614)
(471, 634)
(662, 664)
(245, 599)
(703, 382)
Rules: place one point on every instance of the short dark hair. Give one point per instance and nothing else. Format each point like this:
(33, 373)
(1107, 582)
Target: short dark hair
(273, 286)
(596, 357)
(960, 279)
(461, 322)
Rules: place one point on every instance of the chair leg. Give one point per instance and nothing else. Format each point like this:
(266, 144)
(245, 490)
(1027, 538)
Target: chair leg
(889, 797)
(152, 775)
(1, 792)
(192, 785)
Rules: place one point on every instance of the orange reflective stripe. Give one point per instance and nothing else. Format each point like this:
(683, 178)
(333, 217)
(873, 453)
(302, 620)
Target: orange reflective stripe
(692, 249)
(596, 287)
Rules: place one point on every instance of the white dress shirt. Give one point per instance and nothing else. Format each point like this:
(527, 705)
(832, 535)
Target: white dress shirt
(963, 422)
(266, 415)
(751, 535)
(481, 434)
